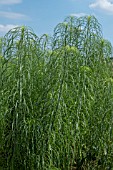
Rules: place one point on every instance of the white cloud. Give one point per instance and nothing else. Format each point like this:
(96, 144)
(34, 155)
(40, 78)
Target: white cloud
(78, 14)
(8, 2)
(105, 5)
(6, 28)
(12, 15)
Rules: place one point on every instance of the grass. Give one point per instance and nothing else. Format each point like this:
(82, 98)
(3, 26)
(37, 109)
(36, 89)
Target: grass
(56, 98)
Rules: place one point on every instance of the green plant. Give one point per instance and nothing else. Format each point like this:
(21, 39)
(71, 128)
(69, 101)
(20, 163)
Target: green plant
(56, 98)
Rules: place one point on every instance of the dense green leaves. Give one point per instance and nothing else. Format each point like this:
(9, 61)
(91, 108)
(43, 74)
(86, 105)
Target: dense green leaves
(56, 98)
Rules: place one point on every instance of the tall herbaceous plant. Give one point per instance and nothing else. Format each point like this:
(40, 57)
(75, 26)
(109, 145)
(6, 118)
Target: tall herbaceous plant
(56, 98)
(22, 73)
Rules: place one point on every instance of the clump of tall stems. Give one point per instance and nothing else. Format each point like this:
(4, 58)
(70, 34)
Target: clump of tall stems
(56, 98)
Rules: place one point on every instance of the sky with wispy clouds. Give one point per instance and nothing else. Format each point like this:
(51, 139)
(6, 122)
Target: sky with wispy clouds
(43, 15)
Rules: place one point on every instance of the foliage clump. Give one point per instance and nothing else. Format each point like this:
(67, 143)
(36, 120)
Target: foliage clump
(56, 98)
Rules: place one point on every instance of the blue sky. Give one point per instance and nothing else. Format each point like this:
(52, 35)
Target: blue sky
(43, 15)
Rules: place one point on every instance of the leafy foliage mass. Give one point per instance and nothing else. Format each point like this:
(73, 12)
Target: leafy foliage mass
(56, 98)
